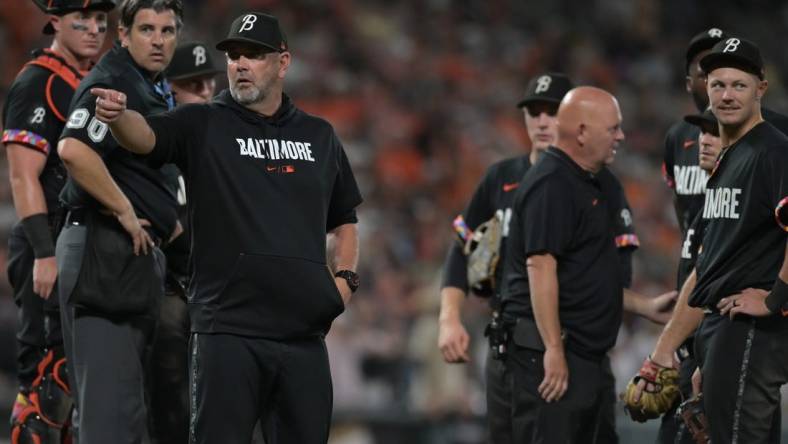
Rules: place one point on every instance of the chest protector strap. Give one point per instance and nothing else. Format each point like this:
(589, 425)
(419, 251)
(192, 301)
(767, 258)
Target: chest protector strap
(53, 62)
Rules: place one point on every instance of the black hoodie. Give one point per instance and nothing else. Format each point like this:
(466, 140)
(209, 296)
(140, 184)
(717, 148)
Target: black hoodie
(262, 193)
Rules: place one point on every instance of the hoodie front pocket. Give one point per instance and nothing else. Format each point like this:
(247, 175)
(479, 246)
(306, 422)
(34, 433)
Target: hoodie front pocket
(277, 296)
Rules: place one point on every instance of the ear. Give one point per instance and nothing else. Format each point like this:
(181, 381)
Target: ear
(284, 64)
(123, 34)
(582, 134)
(56, 22)
(688, 84)
(763, 85)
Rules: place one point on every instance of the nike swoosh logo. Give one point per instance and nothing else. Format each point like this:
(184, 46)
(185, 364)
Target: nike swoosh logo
(688, 143)
(271, 169)
(510, 186)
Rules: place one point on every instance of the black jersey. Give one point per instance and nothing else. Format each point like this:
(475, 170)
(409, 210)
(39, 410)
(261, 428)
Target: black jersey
(493, 197)
(263, 193)
(573, 215)
(743, 245)
(145, 187)
(690, 248)
(682, 170)
(683, 173)
(34, 114)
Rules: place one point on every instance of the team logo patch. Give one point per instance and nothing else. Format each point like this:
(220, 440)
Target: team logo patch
(715, 33)
(626, 216)
(38, 115)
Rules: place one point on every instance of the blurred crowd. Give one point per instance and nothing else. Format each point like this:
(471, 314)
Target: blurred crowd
(423, 94)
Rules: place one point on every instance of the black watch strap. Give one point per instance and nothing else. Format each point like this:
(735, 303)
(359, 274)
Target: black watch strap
(351, 277)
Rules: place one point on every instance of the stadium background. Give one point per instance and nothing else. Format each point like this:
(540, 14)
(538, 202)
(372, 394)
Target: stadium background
(422, 94)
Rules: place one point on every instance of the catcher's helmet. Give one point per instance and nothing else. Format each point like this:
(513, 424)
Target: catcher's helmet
(62, 7)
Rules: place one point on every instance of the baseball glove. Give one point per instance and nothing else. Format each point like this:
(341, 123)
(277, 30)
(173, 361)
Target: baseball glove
(659, 394)
(483, 249)
(691, 411)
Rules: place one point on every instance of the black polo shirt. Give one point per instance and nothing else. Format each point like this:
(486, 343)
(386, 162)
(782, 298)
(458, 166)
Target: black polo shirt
(263, 192)
(743, 245)
(147, 188)
(563, 210)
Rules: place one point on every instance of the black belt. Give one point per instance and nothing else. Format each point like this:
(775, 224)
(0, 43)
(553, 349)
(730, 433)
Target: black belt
(79, 216)
(76, 217)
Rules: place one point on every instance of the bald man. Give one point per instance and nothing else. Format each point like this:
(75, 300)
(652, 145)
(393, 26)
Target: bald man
(563, 287)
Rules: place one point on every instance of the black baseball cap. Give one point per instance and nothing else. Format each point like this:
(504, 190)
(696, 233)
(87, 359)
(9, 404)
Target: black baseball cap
(705, 119)
(191, 60)
(550, 87)
(258, 29)
(63, 7)
(734, 52)
(701, 42)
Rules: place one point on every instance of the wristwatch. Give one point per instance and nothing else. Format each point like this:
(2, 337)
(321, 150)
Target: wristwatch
(351, 277)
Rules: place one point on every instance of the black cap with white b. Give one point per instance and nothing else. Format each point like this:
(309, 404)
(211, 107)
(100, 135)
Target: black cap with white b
(191, 59)
(550, 87)
(258, 29)
(702, 41)
(734, 52)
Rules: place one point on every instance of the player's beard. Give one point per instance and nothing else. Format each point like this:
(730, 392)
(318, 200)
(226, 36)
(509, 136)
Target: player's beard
(249, 95)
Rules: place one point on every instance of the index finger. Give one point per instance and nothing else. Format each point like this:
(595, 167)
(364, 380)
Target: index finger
(100, 92)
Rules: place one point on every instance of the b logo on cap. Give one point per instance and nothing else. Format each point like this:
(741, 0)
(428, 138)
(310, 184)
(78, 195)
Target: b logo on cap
(731, 45)
(715, 33)
(543, 84)
(248, 22)
(199, 55)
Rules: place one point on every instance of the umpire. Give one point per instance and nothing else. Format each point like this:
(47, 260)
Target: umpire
(110, 292)
(266, 183)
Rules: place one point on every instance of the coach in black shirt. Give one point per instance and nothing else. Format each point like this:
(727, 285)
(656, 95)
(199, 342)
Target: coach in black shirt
(563, 285)
(266, 182)
(111, 277)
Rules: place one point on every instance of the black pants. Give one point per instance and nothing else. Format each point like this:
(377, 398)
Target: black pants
(585, 414)
(672, 429)
(38, 319)
(498, 381)
(237, 381)
(106, 352)
(169, 372)
(744, 363)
